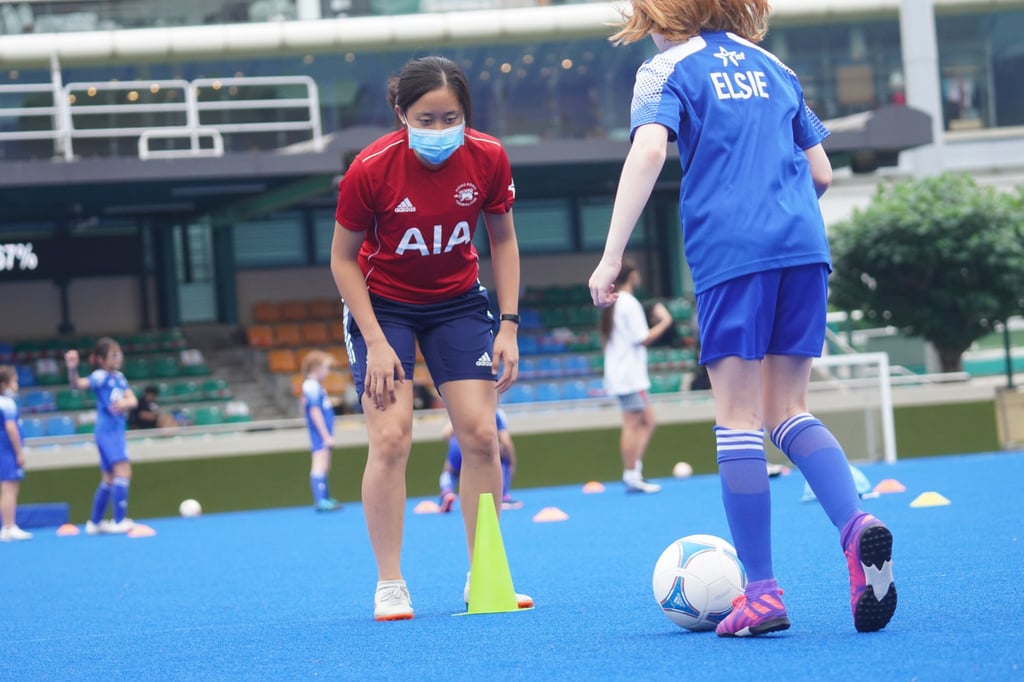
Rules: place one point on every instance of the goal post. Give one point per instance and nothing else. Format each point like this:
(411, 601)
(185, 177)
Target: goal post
(852, 394)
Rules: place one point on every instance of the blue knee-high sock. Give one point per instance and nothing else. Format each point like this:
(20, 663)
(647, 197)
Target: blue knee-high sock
(742, 467)
(99, 502)
(120, 495)
(815, 451)
(318, 484)
(446, 482)
(506, 478)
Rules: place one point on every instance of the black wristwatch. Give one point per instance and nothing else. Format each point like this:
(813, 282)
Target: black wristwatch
(509, 317)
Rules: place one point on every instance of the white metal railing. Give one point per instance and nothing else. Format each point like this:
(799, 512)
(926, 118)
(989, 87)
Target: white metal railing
(187, 117)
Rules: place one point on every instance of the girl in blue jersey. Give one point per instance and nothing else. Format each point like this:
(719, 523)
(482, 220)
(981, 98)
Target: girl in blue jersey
(12, 457)
(319, 413)
(753, 169)
(114, 400)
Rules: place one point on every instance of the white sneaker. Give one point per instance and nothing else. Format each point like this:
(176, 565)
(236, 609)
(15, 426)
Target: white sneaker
(523, 601)
(391, 601)
(96, 528)
(642, 486)
(118, 527)
(13, 534)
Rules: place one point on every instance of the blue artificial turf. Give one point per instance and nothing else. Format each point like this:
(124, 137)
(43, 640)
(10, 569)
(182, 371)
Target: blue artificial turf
(287, 594)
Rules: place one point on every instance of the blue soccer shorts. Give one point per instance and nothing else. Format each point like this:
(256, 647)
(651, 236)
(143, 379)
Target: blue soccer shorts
(9, 469)
(456, 337)
(113, 447)
(777, 312)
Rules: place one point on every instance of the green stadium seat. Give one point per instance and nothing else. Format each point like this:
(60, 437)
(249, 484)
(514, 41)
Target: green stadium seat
(216, 389)
(185, 392)
(137, 368)
(70, 399)
(165, 366)
(207, 416)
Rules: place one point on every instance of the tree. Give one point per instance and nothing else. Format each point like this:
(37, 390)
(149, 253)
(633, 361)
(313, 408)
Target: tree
(941, 258)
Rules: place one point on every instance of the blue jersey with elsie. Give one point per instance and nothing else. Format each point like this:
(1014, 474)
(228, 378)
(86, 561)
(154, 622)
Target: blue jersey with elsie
(9, 414)
(109, 388)
(738, 115)
(314, 397)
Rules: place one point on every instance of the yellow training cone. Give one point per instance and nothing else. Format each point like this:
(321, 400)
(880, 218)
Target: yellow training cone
(491, 589)
(593, 487)
(890, 485)
(548, 514)
(930, 499)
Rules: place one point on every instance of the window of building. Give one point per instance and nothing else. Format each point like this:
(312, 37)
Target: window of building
(276, 240)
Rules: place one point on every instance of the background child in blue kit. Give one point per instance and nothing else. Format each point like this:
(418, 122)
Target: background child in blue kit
(449, 479)
(319, 413)
(12, 457)
(114, 400)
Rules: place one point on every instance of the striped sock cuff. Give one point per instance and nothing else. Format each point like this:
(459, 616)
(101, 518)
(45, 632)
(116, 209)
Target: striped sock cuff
(739, 443)
(122, 482)
(789, 429)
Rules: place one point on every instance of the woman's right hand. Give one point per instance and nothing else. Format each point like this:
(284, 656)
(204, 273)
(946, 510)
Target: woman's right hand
(382, 368)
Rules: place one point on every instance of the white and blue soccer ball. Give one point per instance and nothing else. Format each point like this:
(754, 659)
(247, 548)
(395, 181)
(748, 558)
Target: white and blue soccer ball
(696, 580)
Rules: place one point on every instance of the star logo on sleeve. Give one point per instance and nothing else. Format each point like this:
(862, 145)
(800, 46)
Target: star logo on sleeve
(729, 56)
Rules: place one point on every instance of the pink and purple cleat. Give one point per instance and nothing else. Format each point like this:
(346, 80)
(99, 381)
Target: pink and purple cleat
(755, 615)
(872, 590)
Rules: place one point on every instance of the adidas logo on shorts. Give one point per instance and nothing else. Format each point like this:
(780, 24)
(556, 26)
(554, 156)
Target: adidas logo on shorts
(484, 360)
(405, 206)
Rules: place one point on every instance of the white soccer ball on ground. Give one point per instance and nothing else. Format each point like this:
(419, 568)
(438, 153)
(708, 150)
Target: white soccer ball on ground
(190, 508)
(682, 470)
(696, 579)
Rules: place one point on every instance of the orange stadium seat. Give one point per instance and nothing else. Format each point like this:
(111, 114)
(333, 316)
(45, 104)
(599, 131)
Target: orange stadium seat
(315, 333)
(260, 336)
(287, 335)
(324, 309)
(282, 360)
(293, 311)
(340, 355)
(265, 312)
(297, 380)
(335, 383)
(336, 330)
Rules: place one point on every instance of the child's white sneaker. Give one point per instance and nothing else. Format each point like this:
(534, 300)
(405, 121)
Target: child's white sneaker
(13, 534)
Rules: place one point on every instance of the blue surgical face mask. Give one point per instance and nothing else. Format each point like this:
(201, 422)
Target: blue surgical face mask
(435, 146)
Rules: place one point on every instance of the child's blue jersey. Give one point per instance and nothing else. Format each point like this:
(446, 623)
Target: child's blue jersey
(314, 397)
(747, 202)
(109, 387)
(9, 412)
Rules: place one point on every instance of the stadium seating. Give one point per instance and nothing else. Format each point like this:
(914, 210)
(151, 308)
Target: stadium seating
(60, 425)
(32, 427)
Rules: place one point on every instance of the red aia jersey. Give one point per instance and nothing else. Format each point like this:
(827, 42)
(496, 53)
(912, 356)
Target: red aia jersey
(419, 221)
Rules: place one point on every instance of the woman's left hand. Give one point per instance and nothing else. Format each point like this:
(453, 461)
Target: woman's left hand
(506, 357)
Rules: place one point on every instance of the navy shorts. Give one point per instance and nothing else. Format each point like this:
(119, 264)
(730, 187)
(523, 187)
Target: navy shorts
(9, 469)
(456, 337)
(777, 312)
(113, 447)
